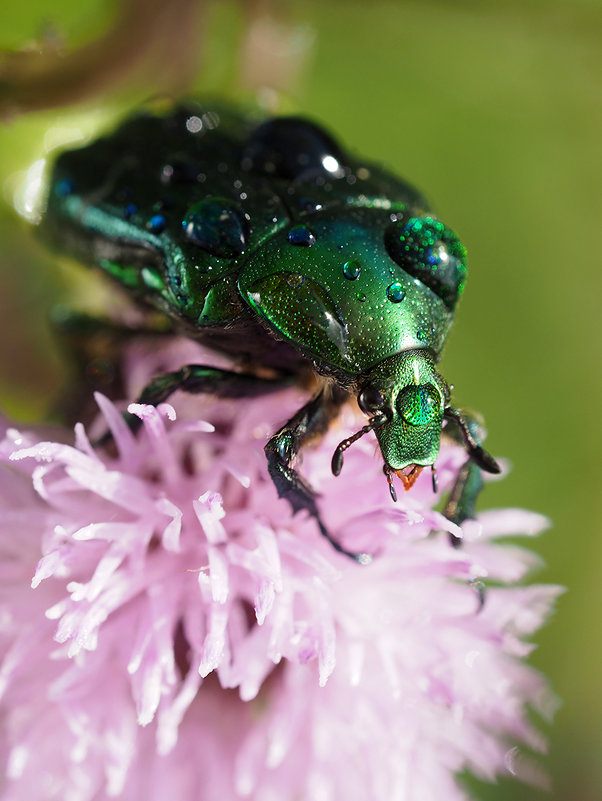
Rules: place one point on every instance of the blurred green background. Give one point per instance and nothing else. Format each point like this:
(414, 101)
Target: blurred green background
(493, 109)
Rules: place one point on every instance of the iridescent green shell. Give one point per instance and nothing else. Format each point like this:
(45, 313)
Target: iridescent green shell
(252, 233)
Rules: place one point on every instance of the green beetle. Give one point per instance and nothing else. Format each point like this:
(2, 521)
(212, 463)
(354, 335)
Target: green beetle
(267, 241)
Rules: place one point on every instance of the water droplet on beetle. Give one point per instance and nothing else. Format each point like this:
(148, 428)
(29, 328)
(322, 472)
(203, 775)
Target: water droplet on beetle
(216, 225)
(361, 297)
(301, 235)
(352, 269)
(395, 292)
(295, 280)
(436, 254)
(292, 149)
(308, 205)
(157, 223)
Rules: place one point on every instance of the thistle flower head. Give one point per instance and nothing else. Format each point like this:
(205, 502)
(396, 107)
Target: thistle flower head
(169, 629)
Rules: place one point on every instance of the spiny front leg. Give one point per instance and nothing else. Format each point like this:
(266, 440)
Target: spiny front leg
(310, 421)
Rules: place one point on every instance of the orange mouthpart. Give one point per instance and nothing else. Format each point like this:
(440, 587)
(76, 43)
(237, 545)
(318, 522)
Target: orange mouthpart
(409, 475)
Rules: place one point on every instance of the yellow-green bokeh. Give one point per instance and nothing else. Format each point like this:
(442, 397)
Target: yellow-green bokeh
(494, 110)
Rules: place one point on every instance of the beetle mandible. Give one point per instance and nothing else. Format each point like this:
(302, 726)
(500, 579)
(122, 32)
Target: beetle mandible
(267, 241)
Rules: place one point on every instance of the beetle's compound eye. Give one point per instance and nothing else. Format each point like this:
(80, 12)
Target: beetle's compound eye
(218, 226)
(289, 148)
(419, 405)
(370, 400)
(428, 250)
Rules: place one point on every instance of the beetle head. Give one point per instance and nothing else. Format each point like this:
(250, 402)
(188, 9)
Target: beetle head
(405, 398)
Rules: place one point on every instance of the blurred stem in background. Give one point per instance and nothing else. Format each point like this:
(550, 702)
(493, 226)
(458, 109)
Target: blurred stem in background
(147, 37)
(153, 38)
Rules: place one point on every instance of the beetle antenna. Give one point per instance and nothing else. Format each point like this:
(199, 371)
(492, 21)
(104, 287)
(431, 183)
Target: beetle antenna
(337, 456)
(477, 453)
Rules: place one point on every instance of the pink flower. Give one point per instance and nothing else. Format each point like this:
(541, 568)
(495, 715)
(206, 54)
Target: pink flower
(169, 630)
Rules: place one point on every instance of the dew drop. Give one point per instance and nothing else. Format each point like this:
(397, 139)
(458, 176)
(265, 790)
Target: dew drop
(395, 292)
(361, 297)
(309, 205)
(436, 254)
(217, 225)
(295, 280)
(352, 269)
(157, 223)
(130, 210)
(301, 235)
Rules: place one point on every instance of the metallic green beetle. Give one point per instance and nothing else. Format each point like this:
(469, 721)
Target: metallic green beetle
(267, 241)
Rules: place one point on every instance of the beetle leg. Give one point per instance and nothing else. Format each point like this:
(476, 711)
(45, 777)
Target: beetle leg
(198, 379)
(461, 503)
(310, 421)
(472, 434)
